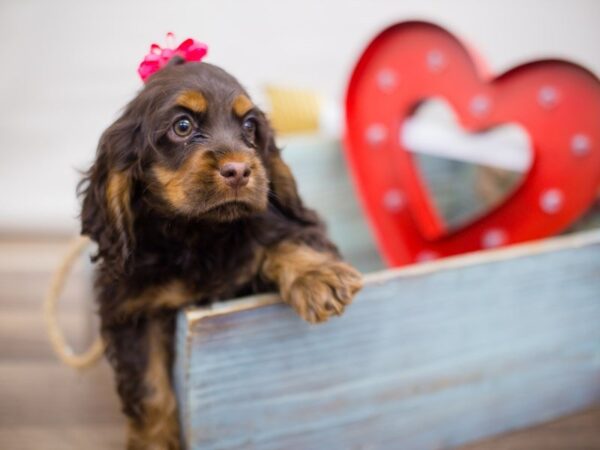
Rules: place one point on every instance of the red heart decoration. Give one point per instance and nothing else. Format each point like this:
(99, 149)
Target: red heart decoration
(557, 102)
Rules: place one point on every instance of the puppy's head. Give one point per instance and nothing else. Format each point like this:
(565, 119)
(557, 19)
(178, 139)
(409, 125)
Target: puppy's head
(192, 145)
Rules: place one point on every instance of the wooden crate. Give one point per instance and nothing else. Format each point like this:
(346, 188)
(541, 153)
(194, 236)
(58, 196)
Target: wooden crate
(429, 356)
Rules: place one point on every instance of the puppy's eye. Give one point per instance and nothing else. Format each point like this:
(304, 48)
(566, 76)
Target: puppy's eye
(249, 127)
(183, 127)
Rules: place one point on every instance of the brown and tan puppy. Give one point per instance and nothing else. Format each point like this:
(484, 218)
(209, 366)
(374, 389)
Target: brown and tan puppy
(189, 201)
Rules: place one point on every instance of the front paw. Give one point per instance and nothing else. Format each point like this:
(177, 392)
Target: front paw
(324, 291)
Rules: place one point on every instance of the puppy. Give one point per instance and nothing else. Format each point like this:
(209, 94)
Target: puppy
(190, 202)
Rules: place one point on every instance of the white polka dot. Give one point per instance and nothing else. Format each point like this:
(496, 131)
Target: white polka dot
(548, 97)
(494, 237)
(480, 105)
(394, 200)
(551, 201)
(580, 144)
(426, 255)
(436, 61)
(387, 80)
(376, 134)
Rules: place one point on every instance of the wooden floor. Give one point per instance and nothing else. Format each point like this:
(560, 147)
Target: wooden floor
(45, 405)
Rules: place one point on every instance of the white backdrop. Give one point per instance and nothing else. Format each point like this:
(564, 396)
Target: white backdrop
(68, 66)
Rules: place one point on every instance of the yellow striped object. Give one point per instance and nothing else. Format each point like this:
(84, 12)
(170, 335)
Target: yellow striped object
(294, 110)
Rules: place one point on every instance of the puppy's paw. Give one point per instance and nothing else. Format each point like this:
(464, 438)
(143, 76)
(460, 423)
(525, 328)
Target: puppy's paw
(320, 293)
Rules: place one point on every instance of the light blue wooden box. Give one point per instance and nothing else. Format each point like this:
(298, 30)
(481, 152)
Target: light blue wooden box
(429, 356)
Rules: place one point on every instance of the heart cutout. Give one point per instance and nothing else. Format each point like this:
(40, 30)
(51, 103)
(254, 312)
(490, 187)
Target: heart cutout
(465, 174)
(556, 102)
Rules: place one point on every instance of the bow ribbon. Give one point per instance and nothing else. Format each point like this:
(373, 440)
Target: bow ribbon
(190, 50)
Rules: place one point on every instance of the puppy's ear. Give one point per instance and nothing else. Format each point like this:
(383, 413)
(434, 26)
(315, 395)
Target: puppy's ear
(107, 190)
(283, 190)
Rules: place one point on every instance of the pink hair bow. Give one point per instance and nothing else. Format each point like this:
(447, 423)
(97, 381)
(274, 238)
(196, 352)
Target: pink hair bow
(190, 50)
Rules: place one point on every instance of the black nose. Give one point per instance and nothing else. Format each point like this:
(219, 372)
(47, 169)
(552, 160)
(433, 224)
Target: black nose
(236, 174)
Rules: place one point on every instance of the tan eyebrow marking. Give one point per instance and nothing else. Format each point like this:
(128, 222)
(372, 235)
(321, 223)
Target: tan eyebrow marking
(193, 100)
(241, 105)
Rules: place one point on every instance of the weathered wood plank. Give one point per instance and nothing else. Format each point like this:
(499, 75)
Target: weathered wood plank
(430, 356)
(46, 405)
(43, 403)
(325, 185)
(579, 431)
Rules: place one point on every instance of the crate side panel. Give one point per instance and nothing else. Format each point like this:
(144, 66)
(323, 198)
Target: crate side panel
(428, 361)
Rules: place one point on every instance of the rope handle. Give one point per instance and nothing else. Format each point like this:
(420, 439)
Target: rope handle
(59, 344)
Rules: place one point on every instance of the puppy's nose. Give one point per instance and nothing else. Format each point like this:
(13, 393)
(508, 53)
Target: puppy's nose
(236, 174)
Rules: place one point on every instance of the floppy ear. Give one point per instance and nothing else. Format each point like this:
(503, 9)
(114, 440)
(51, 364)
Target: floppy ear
(283, 192)
(107, 190)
